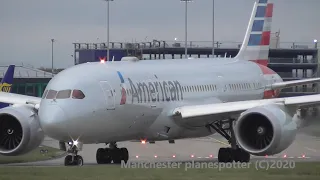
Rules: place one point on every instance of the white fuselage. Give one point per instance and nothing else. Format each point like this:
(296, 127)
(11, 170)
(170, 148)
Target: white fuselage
(132, 100)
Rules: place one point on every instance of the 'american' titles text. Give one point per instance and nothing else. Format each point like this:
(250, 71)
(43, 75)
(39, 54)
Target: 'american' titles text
(156, 91)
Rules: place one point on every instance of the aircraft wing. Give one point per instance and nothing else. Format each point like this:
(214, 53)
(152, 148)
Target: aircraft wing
(229, 108)
(12, 98)
(286, 84)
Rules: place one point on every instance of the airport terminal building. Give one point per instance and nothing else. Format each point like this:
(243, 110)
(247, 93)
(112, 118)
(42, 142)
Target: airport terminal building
(28, 80)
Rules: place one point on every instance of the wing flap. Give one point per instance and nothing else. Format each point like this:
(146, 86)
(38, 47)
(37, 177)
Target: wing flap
(232, 108)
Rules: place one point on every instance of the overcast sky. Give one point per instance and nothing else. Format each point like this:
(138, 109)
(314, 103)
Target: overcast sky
(26, 26)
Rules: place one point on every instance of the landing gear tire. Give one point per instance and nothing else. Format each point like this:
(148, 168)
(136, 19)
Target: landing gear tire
(103, 156)
(225, 155)
(116, 155)
(73, 161)
(241, 155)
(229, 155)
(78, 160)
(125, 154)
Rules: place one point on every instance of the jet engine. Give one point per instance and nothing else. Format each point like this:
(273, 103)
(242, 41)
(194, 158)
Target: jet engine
(265, 130)
(20, 130)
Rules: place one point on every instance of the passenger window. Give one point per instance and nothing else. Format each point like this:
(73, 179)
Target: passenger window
(64, 94)
(77, 94)
(44, 94)
(51, 94)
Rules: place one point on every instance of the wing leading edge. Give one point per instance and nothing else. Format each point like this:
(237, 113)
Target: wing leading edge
(286, 84)
(12, 98)
(240, 106)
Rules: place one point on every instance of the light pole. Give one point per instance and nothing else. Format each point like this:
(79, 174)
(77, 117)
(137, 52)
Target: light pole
(186, 27)
(108, 28)
(212, 28)
(315, 43)
(52, 41)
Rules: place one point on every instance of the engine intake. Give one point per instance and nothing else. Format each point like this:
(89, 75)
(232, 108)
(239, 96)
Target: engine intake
(20, 130)
(256, 130)
(265, 130)
(11, 132)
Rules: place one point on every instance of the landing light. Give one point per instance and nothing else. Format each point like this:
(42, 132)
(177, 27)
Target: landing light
(155, 156)
(303, 156)
(75, 142)
(211, 156)
(285, 156)
(137, 156)
(192, 155)
(174, 156)
(143, 141)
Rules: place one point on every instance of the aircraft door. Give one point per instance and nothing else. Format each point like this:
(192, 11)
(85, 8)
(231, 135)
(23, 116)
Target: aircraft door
(108, 94)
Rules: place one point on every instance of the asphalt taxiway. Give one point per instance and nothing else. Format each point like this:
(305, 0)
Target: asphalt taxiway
(304, 148)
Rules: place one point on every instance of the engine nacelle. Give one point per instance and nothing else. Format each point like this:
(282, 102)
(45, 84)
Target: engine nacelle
(265, 130)
(20, 130)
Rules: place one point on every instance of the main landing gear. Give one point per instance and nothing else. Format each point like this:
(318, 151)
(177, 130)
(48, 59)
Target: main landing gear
(74, 159)
(113, 153)
(225, 129)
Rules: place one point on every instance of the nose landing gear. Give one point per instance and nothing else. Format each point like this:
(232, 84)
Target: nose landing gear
(74, 159)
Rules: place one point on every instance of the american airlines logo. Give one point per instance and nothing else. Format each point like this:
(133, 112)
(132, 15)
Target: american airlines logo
(156, 91)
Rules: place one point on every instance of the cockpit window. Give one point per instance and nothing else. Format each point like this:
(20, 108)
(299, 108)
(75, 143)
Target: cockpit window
(51, 94)
(64, 94)
(77, 94)
(44, 94)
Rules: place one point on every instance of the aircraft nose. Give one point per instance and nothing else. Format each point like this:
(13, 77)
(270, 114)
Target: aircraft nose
(52, 119)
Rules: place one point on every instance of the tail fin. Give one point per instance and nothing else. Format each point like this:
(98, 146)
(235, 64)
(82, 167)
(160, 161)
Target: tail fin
(6, 83)
(255, 46)
(8, 77)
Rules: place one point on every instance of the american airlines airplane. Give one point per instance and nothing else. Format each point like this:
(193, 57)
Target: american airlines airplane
(157, 100)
